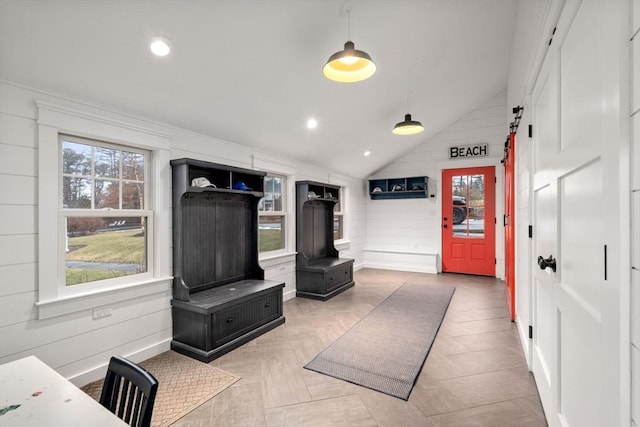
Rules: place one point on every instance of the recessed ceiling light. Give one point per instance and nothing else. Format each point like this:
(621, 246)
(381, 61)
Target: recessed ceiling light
(366, 153)
(160, 46)
(312, 123)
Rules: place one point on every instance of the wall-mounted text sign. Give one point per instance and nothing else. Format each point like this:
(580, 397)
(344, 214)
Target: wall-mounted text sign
(474, 150)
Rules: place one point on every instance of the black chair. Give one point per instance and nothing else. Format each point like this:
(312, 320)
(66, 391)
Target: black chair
(129, 391)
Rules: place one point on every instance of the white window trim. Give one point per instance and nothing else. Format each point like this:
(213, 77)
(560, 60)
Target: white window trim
(334, 179)
(277, 259)
(275, 167)
(340, 213)
(56, 119)
(284, 213)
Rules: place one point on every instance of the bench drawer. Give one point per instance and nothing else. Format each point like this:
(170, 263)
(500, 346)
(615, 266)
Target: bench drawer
(231, 323)
(338, 276)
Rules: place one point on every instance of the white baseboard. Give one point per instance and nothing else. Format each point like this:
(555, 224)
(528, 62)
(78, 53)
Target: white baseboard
(286, 296)
(523, 331)
(400, 267)
(148, 352)
(418, 262)
(138, 356)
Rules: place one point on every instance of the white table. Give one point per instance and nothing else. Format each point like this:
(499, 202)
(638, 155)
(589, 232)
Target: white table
(46, 398)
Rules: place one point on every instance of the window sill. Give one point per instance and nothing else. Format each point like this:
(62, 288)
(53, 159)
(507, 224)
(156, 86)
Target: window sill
(277, 258)
(67, 304)
(342, 244)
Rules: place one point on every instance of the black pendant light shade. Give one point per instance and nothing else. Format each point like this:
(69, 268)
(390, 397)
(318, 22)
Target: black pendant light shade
(408, 126)
(349, 65)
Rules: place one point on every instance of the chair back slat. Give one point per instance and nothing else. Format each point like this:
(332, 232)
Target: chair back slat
(129, 391)
(123, 402)
(112, 387)
(137, 406)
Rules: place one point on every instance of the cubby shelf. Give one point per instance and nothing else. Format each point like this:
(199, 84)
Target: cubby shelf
(224, 179)
(399, 188)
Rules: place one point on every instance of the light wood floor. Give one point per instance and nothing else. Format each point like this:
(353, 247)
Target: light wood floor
(475, 374)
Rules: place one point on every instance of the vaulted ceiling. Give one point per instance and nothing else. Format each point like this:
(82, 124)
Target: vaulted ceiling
(250, 71)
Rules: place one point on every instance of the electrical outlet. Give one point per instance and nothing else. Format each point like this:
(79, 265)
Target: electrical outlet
(101, 312)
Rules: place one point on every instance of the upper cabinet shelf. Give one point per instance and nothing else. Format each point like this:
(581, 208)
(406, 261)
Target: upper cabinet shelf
(319, 191)
(399, 188)
(194, 176)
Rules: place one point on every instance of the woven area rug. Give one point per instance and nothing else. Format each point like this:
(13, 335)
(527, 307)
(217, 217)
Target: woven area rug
(385, 351)
(184, 384)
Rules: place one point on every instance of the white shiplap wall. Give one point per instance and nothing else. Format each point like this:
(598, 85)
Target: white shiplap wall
(76, 345)
(635, 215)
(405, 234)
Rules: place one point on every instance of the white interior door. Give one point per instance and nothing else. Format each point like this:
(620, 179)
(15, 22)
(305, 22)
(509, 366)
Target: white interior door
(545, 103)
(576, 114)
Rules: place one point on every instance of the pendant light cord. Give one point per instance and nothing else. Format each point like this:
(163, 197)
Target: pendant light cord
(348, 25)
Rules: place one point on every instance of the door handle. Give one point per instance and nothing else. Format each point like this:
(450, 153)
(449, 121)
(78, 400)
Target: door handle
(444, 226)
(549, 262)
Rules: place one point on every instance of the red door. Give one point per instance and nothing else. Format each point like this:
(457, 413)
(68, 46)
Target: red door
(468, 221)
(510, 226)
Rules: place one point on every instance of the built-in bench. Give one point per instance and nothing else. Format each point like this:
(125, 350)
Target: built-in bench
(389, 258)
(220, 319)
(324, 278)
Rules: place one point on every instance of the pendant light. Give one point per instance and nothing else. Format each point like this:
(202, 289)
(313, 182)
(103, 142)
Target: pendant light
(349, 65)
(408, 126)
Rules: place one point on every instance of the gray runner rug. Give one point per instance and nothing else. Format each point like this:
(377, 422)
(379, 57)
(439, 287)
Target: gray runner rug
(385, 350)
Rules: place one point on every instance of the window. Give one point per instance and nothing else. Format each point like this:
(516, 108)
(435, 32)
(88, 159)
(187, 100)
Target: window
(104, 211)
(272, 215)
(338, 218)
(104, 191)
(468, 205)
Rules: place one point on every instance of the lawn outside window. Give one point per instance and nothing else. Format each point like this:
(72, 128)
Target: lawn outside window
(272, 215)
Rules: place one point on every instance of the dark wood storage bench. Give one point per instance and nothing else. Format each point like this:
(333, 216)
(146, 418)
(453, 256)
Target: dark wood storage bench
(220, 298)
(324, 278)
(220, 319)
(320, 272)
